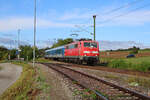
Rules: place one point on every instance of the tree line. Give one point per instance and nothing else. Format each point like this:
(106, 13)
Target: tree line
(27, 50)
(26, 53)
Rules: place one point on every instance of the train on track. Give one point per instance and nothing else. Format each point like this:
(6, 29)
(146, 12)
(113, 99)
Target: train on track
(81, 51)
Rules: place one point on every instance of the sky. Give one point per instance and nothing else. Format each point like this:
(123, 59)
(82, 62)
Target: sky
(58, 19)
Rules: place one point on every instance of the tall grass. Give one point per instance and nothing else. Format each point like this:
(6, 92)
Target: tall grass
(124, 64)
(43, 60)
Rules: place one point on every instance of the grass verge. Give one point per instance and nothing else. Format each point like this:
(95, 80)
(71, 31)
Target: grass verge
(29, 86)
(43, 86)
(23, 87)
(138, 64)
(43, 60)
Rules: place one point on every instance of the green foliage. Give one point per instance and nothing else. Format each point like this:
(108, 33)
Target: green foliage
(118, 64)
(144, 50)
(86, 94)
(132, 64)
(134, 50)
(43, 60)
(26, 52)
(3, 53)
(61, 42)
(13, 54)
(138, 80)
(43, 86)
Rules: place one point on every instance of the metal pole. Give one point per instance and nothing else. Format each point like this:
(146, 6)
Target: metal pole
(94, 17)
(34, 33)
(18, 43)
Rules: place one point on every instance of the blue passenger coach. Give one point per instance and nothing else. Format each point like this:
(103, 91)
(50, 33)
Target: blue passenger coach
(55, 52)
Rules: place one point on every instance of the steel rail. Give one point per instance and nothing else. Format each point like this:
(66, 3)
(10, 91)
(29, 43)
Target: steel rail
(126, 90)
(99, 96)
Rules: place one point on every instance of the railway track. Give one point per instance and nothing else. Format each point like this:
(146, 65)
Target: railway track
(104, 90)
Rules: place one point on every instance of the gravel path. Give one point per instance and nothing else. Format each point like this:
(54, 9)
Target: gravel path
(61, 88)
(8, 75)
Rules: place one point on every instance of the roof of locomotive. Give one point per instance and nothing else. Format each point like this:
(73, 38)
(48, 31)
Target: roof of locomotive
(83, 41)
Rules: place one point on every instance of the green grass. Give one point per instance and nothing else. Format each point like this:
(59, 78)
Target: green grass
(42, 85)
(0, 68)
(140, 81)
(28, 87)
(145, 50)
(86, 94)
(138, 60)
(3, 61)
(139, 64)
(21, 89)
(43, 60)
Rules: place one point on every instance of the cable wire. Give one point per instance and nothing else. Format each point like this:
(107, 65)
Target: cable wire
(121, 7)
(108, 20)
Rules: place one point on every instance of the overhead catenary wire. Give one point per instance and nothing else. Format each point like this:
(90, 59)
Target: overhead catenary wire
(121, 7)
(124, 14)
(118, 8)
(82, 29)
(112, 11)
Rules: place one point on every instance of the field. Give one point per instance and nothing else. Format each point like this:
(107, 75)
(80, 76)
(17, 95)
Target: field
(117, 59)
(123, 54)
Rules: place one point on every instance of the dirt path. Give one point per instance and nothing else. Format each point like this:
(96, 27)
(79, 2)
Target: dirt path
(8, 75)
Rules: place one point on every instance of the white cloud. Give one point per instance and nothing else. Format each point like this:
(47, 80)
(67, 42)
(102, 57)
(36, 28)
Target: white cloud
(8, 24)
(131, 19)
(140, 17)
(14, 23)
(114, 45)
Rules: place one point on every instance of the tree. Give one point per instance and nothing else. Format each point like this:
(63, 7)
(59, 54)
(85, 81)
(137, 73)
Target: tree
(61, 42)
(3, 53)
(13, 54)
(26, 52)
(134, 50)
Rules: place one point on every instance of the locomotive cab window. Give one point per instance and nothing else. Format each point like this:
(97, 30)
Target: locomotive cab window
(90, 44)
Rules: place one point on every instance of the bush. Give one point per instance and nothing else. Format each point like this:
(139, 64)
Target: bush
(134, 50)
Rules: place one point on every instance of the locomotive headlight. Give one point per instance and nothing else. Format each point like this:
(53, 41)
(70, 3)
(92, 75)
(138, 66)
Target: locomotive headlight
(95, 52)
(86, 51)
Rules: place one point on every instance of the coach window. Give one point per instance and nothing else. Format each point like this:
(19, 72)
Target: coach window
(76, 45)
(70, 46)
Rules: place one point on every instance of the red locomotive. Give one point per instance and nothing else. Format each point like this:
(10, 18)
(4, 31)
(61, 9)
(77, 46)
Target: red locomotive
(79, 51)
